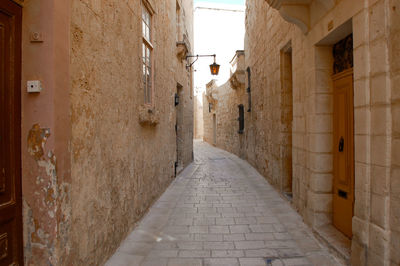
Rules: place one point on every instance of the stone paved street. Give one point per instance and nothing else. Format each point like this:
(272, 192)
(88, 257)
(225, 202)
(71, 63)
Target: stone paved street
(220, 211)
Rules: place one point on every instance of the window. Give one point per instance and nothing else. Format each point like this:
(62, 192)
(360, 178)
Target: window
(241, 119)
(147, 54)
(249, 87)
(178, 22)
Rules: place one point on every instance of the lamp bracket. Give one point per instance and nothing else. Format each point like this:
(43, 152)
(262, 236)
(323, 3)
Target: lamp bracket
(197, 58)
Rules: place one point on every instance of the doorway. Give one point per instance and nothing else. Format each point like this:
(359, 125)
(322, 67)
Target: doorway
(179, 129)
(11, 246)
(286, 120)
(343, 136)
(214, 129)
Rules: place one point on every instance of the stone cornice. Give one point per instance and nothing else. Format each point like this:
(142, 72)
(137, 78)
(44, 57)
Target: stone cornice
(294, 11)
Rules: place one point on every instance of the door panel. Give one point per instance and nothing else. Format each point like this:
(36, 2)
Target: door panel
(10, 113)
(343, 152)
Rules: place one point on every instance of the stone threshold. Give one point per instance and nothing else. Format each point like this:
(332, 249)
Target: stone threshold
(338, 243)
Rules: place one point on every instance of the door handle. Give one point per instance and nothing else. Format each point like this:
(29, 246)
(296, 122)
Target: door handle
(341, 144)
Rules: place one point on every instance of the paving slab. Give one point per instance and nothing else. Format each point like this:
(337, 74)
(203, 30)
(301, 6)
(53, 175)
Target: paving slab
(221, 211)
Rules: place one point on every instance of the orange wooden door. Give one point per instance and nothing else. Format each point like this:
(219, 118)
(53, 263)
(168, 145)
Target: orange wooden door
(343, 152)
(10, 121)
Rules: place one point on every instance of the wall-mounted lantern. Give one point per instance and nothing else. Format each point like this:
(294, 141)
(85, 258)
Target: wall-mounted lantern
(214, 67)
(176, 99)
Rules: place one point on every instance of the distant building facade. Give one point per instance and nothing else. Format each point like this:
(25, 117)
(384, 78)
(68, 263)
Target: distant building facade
(223, 111)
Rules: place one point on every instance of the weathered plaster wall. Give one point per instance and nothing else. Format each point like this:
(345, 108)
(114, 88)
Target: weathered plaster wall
(46, 132)
(119, 166)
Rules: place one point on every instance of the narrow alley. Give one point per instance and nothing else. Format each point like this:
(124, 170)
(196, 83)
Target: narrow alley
(199, 132)
(221, 211)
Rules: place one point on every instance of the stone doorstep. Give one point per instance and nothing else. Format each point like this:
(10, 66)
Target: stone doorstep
(335, 241)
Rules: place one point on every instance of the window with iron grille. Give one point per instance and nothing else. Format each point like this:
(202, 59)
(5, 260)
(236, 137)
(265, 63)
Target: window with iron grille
(241, 119)
(147, 50)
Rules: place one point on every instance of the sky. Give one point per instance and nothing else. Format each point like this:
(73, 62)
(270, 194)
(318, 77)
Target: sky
(231, 2)
(217, 31)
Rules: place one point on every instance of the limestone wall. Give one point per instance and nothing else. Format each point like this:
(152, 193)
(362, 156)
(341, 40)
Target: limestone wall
(198, 117)
(374, 25)
(123, 153)
(226, 112)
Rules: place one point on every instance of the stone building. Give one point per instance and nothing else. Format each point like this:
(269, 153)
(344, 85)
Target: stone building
(94, 138)
(322, 120)
(198, 130)
(223, 109)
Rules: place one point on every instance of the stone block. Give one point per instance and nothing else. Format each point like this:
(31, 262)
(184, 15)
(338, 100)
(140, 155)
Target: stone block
(360, 33)
(323, 81)
(394, 52)
(379, 210)
(378, 240)
(323, 104)
(379, 152)
(361, 204)
(319, 123)
(321, 162)
(361, 92)
(379, 180)
(379, 61)
(395, 95)
(396, 117)
(321, 182)
(395, 182)
(227, 253)
(360, 230)
(360, 148)
(321, 143)
(395, 214)
(379, 119)
(396, 152)
(380, 91)
(395, 247)
(323, 58)
(320, 202)
(376, 259)
(195, 253)
(221, 261)
(361, 121)
(361, 62)
(377, 21)
(215, 245)
(358, 253)
(184, 262)
(361, 176)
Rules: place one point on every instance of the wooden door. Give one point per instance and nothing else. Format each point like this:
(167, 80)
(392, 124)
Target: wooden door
(343, 151)
(10, 121)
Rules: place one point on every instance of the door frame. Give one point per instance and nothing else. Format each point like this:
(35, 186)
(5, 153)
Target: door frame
(348, 142)
(15, 10)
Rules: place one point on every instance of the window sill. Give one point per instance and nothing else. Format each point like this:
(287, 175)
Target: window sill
(182, 49)
(148, 116)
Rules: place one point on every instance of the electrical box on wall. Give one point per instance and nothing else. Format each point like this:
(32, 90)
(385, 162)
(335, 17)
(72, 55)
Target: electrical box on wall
(34, 86)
